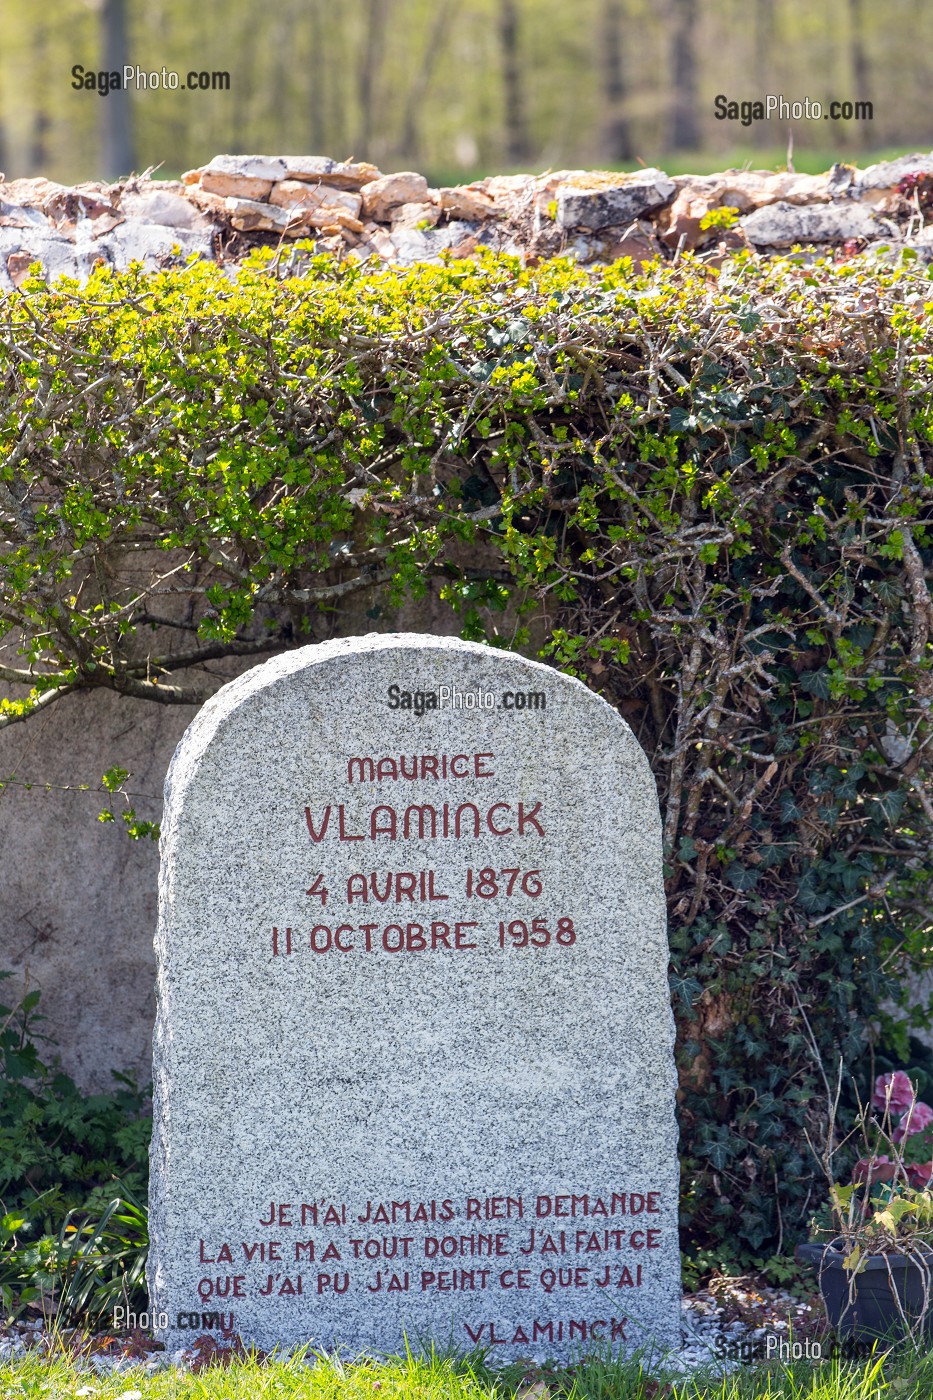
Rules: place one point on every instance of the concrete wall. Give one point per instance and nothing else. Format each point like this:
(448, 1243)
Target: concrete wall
(78, 897)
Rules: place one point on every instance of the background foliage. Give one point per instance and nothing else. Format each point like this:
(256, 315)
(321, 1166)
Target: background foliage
(709, 492)
(59, 1149)
(457, 87)
(67, 1240)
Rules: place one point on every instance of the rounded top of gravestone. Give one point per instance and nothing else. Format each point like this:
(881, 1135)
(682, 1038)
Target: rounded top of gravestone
(498, 687)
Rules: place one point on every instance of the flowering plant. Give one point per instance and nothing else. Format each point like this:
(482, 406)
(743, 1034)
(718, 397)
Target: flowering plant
(873, 1239)
(906, 1127)
(887, 1207)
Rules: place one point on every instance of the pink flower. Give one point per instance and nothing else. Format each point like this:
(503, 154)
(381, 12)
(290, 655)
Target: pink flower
(874, 1169)
(894, 1091)
(919, 1173)
(917, 1118)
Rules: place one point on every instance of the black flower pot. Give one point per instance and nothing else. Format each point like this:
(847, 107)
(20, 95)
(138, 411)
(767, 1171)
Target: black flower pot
(865, 1306)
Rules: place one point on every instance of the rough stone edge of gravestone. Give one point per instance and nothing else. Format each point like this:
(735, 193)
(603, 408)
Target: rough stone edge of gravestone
(183, 768)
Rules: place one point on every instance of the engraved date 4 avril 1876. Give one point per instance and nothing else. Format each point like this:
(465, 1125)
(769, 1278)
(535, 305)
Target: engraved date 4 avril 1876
(424, 886)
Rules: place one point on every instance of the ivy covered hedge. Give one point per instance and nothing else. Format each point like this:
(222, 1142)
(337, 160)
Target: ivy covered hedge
(717, 489)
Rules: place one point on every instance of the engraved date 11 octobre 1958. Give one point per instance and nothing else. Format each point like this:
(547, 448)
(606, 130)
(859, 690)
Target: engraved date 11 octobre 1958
(539, 932)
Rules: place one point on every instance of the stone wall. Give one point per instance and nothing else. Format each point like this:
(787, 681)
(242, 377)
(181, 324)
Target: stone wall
(228, 206)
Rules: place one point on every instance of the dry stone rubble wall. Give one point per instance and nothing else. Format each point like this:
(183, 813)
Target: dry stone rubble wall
(226, 207)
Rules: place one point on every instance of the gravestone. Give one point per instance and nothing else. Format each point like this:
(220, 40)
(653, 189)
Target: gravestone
(414, 1048)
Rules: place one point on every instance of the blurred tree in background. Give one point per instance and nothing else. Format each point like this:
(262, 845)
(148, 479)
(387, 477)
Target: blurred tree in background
(459, 87)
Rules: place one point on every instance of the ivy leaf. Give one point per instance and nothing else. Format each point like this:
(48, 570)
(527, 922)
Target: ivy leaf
(816, 682)
(891, 804)
(682, 420)
(740, 877)
(718, 1154)
(688, 989)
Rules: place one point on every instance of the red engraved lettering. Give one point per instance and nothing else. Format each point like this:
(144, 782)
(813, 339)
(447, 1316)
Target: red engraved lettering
(357, 889)
(460, 938)
(424, 815)
(440, 935)
(496, 830)
(343, 833)
(365, 769)
(432, 892)
(381, 895)
(275, 941)
(390, 829)
(321, 938)
(317, 835)
(529, 819)
(479, 769)
(405, 883)
(466, 807)
(415, 940)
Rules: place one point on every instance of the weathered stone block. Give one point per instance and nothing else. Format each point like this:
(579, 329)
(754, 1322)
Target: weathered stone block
(779, 225)
(290, 194)
(381, 196)
(242, 177)
(167, 207)
(426, 245)
(344, 175)
(423, 214)
(467, 202)
(250, 214)
(598, 201)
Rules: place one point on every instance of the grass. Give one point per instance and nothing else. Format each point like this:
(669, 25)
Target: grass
(59, 1377)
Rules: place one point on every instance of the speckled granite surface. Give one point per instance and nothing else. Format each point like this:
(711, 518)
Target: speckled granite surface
(413, 1057)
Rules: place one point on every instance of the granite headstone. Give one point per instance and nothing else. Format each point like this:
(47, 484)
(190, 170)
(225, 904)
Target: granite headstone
(414, 1049)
